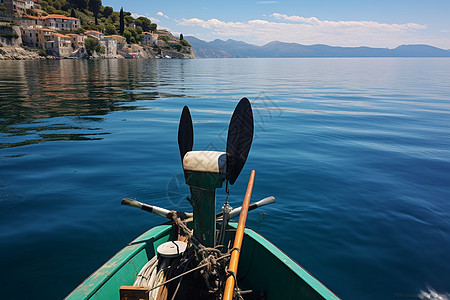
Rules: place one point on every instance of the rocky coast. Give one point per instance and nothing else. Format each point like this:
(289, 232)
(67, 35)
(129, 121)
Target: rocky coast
(17, 53)
(12, 52)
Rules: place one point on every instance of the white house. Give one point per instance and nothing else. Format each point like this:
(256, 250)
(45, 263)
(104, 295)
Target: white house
(95, 34)
(149, 38)
(60, 45)
(110, 45)
(60, 22)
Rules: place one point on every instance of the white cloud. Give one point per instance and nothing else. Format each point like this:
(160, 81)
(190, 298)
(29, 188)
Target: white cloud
(135, 15)
(162, 15)
(350, 24)
(154, 20)
(266, 2)
(311, 30)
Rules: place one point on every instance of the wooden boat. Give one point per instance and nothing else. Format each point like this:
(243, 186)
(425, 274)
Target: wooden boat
(196, 255)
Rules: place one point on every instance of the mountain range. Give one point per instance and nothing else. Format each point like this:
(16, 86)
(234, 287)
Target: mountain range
(231, 48)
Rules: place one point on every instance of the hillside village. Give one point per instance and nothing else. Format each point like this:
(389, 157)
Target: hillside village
(36, 29)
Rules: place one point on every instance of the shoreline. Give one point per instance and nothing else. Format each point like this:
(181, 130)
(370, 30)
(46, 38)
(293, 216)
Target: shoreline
(14, 52)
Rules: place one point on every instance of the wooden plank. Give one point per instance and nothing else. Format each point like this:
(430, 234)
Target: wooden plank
(133, 293)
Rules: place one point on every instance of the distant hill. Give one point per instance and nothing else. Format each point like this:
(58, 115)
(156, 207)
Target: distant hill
(206, 49)
(232, 48)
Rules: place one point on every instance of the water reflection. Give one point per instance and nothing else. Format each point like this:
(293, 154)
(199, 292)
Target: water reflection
(47, 100)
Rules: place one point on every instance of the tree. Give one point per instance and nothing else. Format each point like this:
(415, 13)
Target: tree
(181, 37)
(57, 5)
(144, 23)
(153, 27)
(114, 17)
(72, 13)
(122, 22)
(92, 45)
(80, 4)
(133, 31)
(94, 6)
(137, 22)
(29, 11)
(110, 29)
(129, 19)
(107, 11)
(128, 35)
(185, 43)
(65, 6)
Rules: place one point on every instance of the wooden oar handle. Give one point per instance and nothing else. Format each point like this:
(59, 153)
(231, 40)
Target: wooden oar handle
(234, 260)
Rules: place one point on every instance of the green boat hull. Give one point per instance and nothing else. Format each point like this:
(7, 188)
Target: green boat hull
(262, 267)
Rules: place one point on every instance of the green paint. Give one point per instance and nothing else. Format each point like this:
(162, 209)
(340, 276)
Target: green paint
(204, 180)
(203, 198)
(262, 266)
(123, 268)
(204, 208)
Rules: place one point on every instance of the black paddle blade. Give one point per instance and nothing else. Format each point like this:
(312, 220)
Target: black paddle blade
(239, 139)
(185, 133)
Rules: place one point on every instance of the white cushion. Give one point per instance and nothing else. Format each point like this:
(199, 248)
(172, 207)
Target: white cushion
(205, 161)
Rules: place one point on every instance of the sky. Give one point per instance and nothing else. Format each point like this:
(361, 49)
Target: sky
(347, 23)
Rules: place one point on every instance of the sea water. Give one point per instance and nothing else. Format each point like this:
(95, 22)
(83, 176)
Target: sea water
(356, 152)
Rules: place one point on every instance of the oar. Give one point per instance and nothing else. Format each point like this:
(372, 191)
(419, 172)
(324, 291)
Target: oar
(185, 133)
(165, 213)
(239, 139)
(149, 208)
(234, 260)
(235, 212)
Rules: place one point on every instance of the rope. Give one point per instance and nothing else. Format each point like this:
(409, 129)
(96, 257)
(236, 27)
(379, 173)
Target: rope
(237, 290)
(185, 273)
(235, 249)
(178, 218)
(210, 259)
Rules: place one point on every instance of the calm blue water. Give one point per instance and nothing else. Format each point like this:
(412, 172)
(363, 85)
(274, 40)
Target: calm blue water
(356, 152)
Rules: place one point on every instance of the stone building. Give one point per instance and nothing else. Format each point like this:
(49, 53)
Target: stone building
(60, 22)
(164, 32)
(110, 45)
(149, 38)
(95, 34)
(36, 36)
(121, 41)
(77, 40)
(59, 45)
(28, 20)
(161, 43)
(18, 7)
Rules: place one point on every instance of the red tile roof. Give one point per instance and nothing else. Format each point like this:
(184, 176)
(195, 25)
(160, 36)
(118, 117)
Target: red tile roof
(51, 17)
(93, 31)
(33, 17)
(54, 16)
(61, 35)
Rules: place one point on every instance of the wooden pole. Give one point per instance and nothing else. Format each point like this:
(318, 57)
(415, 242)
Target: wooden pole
(229, 286)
